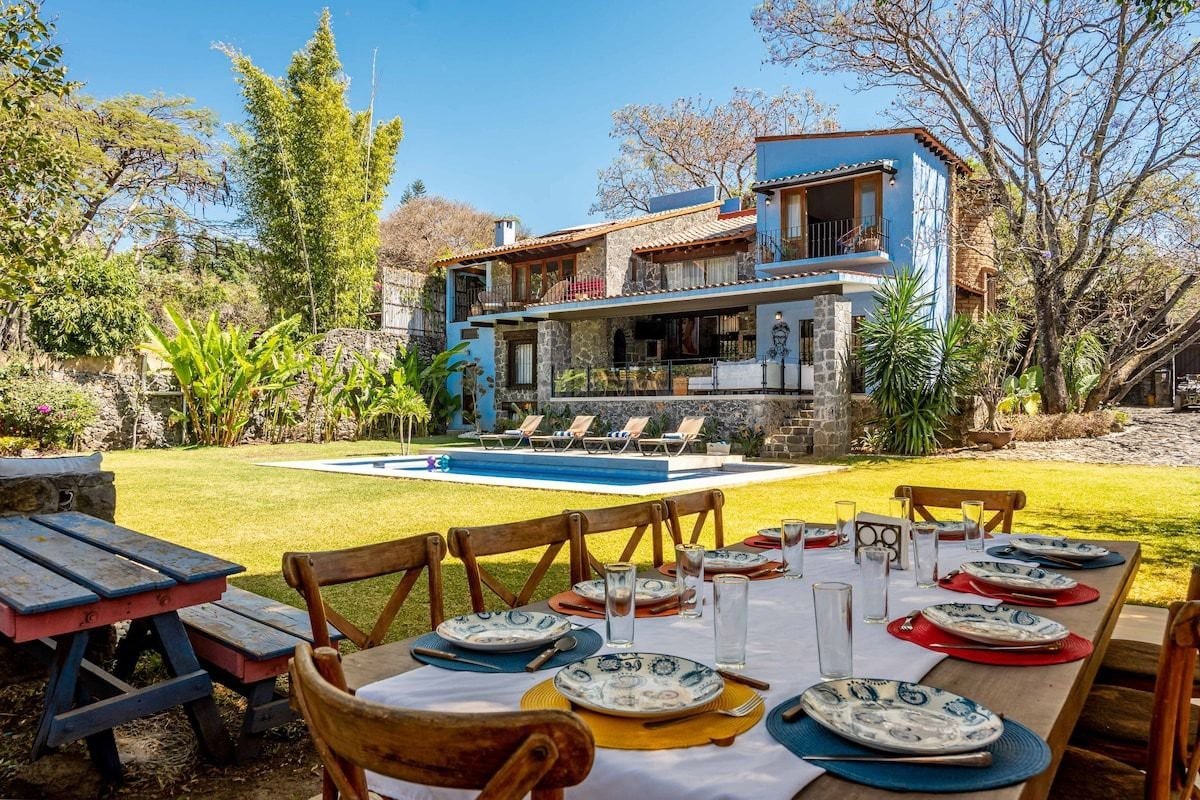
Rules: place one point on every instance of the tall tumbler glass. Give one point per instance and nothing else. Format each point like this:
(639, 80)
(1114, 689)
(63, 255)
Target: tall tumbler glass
(689, 577)
(900, 506)
(845, 511)
(925, 555)
(972, 515)
(620, 593)
(791, 542)
(874, 569)
(835, 637)
(731, 601)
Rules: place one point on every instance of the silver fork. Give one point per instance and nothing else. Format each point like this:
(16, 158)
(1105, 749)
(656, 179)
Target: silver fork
(744, 710)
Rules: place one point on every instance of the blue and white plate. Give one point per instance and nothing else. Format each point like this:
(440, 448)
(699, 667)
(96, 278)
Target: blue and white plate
(642, 685)
(732, 561)
(946, 526)
(1000, 625)
(1058, 548)
(901, 717)
(649, 590)
(1019, 577)
(810, 533)
(504, 631)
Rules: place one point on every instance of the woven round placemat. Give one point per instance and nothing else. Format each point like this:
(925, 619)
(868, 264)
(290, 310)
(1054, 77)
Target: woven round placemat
(621, 733)
(1017, 755)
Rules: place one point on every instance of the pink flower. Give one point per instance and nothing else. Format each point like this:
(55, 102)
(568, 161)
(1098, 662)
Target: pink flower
(44, 409)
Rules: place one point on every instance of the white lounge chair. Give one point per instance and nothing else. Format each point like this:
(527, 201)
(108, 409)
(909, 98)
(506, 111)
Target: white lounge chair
(673, 444)
(493, 441)
(563, 440)
(621, 439)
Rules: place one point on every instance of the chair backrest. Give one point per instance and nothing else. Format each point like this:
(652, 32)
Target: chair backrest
(506, 755)
(552, 533)
(530, 425)
(636, 426)
(1003, 502)
(1173, 758)
(638, 518)
(690, 427)
(308, 572)
(700, 504)
(580, 425)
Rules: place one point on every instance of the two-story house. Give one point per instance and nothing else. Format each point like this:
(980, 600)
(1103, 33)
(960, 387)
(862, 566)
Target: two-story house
(746, 316)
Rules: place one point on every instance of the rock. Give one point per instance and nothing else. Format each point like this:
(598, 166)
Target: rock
(984, 447)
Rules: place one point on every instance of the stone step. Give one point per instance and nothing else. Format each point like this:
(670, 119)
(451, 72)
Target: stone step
(795, 429)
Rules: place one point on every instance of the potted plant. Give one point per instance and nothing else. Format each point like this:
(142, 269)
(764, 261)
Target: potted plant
(996, 339)
(870, 240)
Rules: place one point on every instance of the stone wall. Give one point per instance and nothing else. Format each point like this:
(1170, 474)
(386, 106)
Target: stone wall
(91, 493)
(831, 376)
(504, 396)
(591, 343)
(731, 414)
(127, 403)
(620, 245)
(975, 248)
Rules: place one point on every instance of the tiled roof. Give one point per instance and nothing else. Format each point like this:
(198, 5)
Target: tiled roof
(718, 230)
(885, 164)
(922, 135)
(570, 235)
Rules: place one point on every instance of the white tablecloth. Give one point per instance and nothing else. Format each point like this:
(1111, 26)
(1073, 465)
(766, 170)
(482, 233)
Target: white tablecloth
(781, 649)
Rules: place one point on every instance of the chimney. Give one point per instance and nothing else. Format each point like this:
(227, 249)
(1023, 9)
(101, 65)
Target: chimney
(506, 231)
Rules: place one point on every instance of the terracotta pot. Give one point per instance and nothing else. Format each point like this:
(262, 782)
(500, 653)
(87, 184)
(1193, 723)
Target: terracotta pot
(996, 439)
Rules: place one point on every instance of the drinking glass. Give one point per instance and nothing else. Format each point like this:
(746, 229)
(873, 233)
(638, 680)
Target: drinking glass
(689, 577)
(972, 514)
(845, 520)
(835, 637)
(899, 507)
(731, 602)
(791, 541)
(876, 565)
(620, 592)
(925, 555)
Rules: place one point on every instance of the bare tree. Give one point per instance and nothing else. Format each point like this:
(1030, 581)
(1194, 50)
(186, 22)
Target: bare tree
(1079, 107)
(696, 142)
(426, 228)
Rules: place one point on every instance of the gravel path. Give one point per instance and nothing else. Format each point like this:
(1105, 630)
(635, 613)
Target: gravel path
(1158, 437)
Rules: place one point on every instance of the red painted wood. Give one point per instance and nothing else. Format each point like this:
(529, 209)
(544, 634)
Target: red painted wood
(26, 628)
(221, 655)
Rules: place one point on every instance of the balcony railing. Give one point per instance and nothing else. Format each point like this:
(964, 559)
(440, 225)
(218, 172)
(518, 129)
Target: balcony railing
(824, 239)
(502, 298)
(676, 377)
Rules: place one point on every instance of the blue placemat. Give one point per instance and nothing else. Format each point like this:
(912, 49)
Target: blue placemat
(1018, 755)
(1110, 560)
(588, 642)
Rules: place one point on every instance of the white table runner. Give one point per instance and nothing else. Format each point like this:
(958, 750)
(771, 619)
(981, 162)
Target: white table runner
(781, 649)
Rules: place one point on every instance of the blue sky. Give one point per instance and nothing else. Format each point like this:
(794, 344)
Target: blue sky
(505, 105)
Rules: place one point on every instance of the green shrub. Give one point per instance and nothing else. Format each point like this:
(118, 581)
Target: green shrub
(90, 306)
(49, 412)
(15, 445)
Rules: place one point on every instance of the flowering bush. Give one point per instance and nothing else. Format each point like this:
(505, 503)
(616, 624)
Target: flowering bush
(50, 412)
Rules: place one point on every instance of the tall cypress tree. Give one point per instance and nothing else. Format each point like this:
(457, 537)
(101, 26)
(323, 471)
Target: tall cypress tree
(312, 176)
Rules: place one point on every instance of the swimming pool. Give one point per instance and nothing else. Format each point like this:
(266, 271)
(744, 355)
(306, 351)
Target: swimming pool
(603, 474)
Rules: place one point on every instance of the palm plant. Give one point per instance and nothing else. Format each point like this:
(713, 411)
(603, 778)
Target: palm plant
(404, 404)
(1084, 359)
(429, 378)
(915, 368)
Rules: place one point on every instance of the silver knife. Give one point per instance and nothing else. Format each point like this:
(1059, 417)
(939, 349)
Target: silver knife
(1048, 647)
(431, 653)
(980, 759)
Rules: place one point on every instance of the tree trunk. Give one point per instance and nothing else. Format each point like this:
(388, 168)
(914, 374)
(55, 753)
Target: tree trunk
(1055, 399)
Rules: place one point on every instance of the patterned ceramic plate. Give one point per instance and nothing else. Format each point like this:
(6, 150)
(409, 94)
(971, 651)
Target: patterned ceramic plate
(816, 532)
(1019, 577)
(1058, 548)
(504, 631)
(1000, 625)
(649, 590)
(946, 527)
(901, 717)
(644, 685)
(732, 561)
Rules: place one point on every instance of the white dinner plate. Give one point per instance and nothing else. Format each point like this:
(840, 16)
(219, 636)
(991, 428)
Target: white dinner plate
(1019, 577)
(649, 590)
(815, 533)
(1058, 548)
(643, 685)
(901, 717)
(1000, 625)
(732, 561)
(504, 631)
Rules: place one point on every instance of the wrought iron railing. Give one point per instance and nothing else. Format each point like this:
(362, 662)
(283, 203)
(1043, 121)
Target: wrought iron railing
(504, 297)
(824, 239)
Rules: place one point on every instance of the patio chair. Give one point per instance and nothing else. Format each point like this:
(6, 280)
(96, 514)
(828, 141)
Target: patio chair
(621, 439)
(561, 441)
(700, 504)
(636, 517)
(469, 544)
(1171, 759)
(1003, 502)
(673, 444)
(505, 755)
(493, 441)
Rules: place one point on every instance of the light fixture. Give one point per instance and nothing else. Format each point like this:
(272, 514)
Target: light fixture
(778, 316)
(892, 181)
(768, 200)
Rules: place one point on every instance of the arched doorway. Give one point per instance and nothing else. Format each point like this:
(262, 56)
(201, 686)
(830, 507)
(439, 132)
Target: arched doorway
(619, 355)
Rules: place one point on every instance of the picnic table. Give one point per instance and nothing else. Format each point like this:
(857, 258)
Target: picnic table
(64, 576)
(1046, 699)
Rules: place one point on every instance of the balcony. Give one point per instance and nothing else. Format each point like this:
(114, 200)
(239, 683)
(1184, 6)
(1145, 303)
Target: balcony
(845, 241)
(502, 299)
(680, 377)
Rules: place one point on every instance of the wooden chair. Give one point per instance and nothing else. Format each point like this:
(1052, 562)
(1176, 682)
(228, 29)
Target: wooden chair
(1171, 759)
(640, 517)
(505, 756)
(552, 533)
(1004, 503)
(700, 504)
(308, 572)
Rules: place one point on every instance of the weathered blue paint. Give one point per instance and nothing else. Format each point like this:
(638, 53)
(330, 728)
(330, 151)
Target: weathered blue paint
(481, 349)
(688, 197)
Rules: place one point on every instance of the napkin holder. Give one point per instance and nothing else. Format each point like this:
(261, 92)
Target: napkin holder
(891, 532)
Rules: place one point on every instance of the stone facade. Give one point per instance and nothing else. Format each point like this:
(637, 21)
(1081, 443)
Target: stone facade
(505, 396)
(554, 353)
(129, 404)
(831, 376)
(591, 343)
(91, 493)
(975, 245)
(358, 340)
(619, 245)
(730, 414)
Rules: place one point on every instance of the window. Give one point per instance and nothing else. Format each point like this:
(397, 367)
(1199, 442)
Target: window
(806, 341)
(532, 279)
(467, 286)
(522, 360)
(701, 272)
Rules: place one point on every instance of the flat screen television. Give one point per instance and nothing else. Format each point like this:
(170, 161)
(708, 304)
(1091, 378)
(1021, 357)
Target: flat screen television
(649, 329)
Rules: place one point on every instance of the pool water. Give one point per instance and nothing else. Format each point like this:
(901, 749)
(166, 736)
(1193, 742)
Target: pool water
(565, 473)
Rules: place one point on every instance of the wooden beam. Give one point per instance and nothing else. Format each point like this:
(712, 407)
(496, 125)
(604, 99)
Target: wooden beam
(508, 322)
(476, 324)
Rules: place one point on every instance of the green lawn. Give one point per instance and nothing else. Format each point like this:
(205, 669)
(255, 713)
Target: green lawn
(220, 502)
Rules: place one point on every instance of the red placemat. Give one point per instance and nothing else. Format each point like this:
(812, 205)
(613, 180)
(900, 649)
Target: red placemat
(1082, 593)
(924, 633)
(669, 569)
(767, 543)
(596, 611)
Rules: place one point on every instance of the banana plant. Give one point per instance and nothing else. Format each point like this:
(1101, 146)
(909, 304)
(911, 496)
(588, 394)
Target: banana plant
(1023, 394)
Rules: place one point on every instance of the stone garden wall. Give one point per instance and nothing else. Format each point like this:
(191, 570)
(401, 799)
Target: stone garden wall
(731, 413)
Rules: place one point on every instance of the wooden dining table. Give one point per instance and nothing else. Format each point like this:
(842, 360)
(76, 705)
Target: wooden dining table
(1047, 699)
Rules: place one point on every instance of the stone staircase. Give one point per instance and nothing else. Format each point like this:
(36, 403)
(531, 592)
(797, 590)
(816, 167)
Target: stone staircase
(792, 440)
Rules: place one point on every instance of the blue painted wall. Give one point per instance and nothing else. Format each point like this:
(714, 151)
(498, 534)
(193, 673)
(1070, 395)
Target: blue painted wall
(688, 197)
(482, 348)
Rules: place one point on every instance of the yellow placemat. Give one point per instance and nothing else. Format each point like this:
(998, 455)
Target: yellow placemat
(619, 733)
